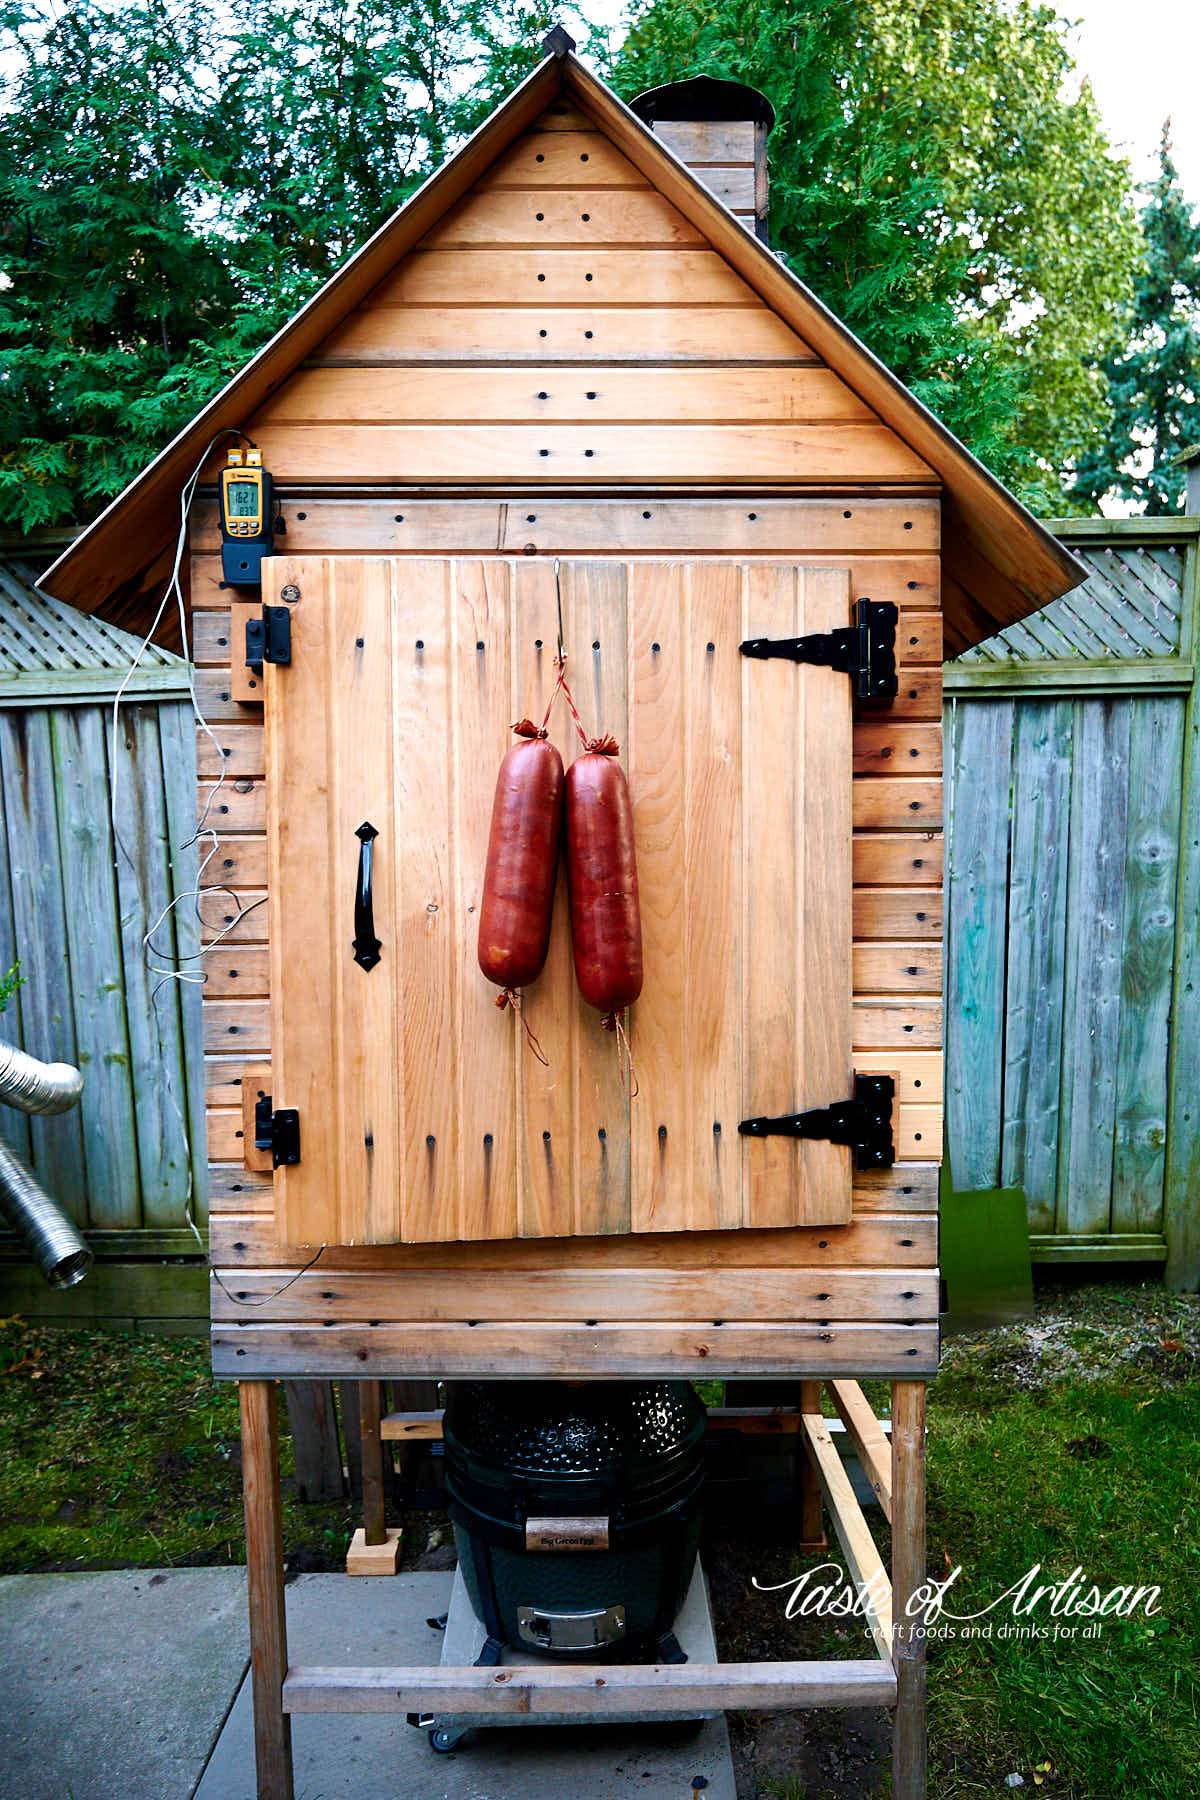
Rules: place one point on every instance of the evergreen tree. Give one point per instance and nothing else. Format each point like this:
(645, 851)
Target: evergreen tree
(110, 288)
(1154, 377)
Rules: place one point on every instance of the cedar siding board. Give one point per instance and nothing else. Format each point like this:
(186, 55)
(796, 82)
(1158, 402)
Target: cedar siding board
(1002, 565)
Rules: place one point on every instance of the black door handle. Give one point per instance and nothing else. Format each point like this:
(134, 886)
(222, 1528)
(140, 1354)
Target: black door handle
(366, 944)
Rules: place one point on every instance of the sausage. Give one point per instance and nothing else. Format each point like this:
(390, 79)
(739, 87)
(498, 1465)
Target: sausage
(606, 925)
(522, 862)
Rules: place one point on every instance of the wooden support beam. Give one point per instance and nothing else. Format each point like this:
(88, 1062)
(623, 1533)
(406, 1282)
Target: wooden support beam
(868, 1438)
(264, 1575)
(611, 1691)
(864, 1564)
(369, 1408)
(812, 1521)
(908, 1574)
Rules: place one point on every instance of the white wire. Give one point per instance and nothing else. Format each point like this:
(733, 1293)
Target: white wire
(154, 957)
(150, 950)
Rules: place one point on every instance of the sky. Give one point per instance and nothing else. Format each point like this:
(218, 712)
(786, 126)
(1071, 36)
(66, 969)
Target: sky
(1143, 59)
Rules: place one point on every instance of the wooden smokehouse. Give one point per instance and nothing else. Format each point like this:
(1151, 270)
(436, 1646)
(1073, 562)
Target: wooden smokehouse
(570, 371)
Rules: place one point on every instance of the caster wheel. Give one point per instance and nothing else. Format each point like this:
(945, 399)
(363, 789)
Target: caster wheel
(444, 1741)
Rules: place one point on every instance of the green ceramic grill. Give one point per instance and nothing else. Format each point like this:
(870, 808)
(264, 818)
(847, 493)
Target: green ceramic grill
(576, 1510)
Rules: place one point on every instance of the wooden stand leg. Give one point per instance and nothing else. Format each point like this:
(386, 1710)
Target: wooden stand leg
(264, 1571)
(908, 1574)
(812, 1517)
(374, 1550)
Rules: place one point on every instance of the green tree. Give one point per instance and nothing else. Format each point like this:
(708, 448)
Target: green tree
(936, 183)
(110, 287)
(1032, 187)
(1154, 376)
(174, 183)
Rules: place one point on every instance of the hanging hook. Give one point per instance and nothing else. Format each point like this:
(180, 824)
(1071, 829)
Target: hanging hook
(558, 601)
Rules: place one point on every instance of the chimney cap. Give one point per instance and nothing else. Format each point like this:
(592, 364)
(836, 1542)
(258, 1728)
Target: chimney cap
(704, 97)
(557, 42)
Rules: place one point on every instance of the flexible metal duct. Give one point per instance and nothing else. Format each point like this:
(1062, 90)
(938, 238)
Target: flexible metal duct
(57, 1247)
(37, 1087)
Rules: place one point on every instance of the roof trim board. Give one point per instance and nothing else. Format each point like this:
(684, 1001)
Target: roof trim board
(996, 552)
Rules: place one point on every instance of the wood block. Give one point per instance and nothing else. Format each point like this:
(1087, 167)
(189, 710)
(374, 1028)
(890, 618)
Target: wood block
(374, 1559)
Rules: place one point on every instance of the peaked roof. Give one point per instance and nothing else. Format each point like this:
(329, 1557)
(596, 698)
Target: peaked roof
(999, 563)
(49, 651)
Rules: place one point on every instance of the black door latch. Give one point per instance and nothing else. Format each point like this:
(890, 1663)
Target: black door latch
(864, 1123)
(269, 639)
(278, 1132)
(866, 650)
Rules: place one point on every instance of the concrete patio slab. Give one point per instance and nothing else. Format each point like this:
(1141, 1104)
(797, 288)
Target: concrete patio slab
(335, 1620)
(116, 1685)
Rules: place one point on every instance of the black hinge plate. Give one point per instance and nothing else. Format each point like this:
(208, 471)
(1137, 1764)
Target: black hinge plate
(278, 1132)
(866, 650)
(269, 639)
(865, 1123)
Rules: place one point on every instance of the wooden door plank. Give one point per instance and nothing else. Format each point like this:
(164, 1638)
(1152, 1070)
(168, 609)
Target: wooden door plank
(425, 785)
(596, 603)
(363, 1043)
(713, 966)
(545, 1094)
(663, 1120)
(823, 1062)
(489, 1043)
(795, 923)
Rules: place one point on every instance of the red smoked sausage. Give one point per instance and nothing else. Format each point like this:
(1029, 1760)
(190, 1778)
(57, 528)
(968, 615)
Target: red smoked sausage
(522, 862)
(606, 925)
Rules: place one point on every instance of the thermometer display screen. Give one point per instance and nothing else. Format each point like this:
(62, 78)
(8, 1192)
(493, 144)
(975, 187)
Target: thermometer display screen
(241, 499)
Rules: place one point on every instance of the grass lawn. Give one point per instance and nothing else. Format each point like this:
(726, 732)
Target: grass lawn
(1073, 1440)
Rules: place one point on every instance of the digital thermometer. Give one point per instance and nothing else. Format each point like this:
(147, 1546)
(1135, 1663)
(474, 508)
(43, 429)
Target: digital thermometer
(247, 506)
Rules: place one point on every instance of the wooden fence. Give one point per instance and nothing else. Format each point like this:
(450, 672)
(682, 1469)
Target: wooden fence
(1073, 1002)
(75, 904)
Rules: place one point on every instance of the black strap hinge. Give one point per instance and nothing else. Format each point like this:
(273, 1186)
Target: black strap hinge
(864, 1123)
(269, 639)
(278, 1132)
(866, 650)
